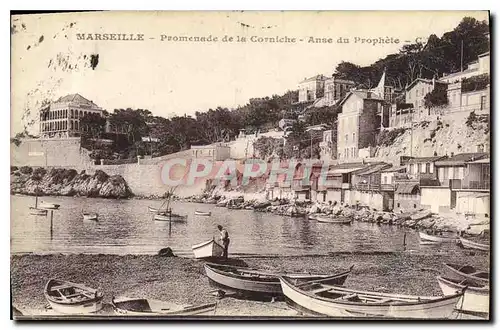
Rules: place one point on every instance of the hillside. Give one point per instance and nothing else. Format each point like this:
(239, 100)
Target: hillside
(454, 133)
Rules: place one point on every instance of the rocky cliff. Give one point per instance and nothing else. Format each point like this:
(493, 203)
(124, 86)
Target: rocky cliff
(67, 182)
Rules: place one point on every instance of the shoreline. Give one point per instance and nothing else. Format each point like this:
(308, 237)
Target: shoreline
(183, 280)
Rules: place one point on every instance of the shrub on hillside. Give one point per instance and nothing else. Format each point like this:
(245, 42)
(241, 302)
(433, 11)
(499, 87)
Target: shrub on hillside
(60, 174)
(438, 98)
(475, 83)
(101, 176)
(387, 137)
(38, 173)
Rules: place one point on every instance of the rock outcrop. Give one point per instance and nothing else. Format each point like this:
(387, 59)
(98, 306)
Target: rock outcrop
(67, 182)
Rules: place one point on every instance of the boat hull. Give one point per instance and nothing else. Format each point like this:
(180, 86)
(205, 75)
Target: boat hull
(339, 220)
(437, 239)
(156, 307)
(440, 308)
(476, 299)
(269, 285)
(453, 272)
(87, 308)
(34, 211)
(173, 218)
(92, 217)
(466, 244)
(205, 214)
(207, 250)
(70, 306)
(49, 206)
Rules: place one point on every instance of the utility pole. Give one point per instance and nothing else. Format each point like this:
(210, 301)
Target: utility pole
(311, 153)
(411, 135)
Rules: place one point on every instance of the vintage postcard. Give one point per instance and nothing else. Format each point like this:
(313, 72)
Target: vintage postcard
(250, 165)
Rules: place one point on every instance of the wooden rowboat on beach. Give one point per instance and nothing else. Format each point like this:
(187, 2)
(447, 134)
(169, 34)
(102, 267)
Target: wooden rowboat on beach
(150, 307)
(321, 299)
(208, 249)
(36, 211)
(72, 298)
(466, 272)
(340, 220)
(438, 239)
(467, 244)
(256, 282)
(201, 213)
(476, 298)
(90, 216)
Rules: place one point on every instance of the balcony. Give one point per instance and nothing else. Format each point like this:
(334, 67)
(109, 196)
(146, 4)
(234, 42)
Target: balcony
(346, 185)
(469, 185)
(368, 186)
(387, 187)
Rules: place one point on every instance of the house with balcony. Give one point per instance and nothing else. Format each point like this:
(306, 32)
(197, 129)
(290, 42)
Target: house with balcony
(337, 183)
(441, 196)
(388, 179)
(336, 89)
(303, 181)
(473, 192)
(416, 92)
(366, 185)
(312, 88)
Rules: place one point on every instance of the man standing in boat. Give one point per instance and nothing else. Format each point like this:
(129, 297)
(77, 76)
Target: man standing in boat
(224, 236)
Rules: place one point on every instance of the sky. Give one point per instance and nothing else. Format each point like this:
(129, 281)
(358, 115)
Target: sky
(177, 78)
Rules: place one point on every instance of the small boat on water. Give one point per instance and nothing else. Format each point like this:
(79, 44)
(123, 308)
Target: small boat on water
(437, 239)
(35, 211)
(421, 215)
(156, 210)
(90, 216)
(257, 282)
(168, 217)
(313, 216)
(476, 298)
(148, 307)
(208, 249)
(467, 244)
(467, 272)
(201, 213)
(72, 298)
(328, 300)
(49, 206)
(340, 220)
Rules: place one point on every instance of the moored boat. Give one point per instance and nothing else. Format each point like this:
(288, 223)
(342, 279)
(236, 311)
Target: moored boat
(476, 298)
(90, 216)
(329, 300)
(36, 211)
(313, 216)
(156, 210)
(207, 249)
(467, 244)
(340, 220)
(257, 282)
(148, 307)
(437, 239)
(466, 272)
(201, 213)
(72, 298)
(168, 217)
(49, 206)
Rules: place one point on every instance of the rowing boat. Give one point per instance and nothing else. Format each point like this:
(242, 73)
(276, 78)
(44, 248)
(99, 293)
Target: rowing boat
(340, 220)
(437, 239)
(206, 214)
(256, 282)
(149, 307)
(72, 298)
(90, 216)
(467, 272)
(207, 249)
(328, 300)
(155, 210)
(49, 206)
(476, 298)
(167, 217)
(312, 217)
(35, 211)
(466, 244)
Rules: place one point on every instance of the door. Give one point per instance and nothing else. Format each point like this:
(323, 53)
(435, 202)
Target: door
(453, 200)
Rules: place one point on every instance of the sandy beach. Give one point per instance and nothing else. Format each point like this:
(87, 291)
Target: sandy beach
(183, 280)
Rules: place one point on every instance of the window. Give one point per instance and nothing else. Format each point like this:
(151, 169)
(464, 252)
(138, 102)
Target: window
(412, 169)
(353, 137)
(385, 179)
(398, 205)
(346, 137)
(422, 168)
(428, 168)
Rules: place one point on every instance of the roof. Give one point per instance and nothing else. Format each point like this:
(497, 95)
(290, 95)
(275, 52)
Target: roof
(427, 81)
(425, 159)
(363, 94)
(375, 168)
(407, 187)
(481, 161)
(314, 78)
(394, 169)
(461, 159)
(345, 168)
(459, 73)
(76, 98)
